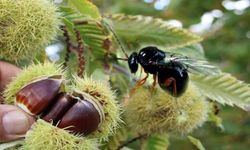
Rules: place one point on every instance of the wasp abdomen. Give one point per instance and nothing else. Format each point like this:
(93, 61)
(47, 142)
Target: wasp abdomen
(173, 78)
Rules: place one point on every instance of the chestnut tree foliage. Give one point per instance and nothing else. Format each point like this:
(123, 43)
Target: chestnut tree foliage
(133, 32)
(138, 31)
(94, 36)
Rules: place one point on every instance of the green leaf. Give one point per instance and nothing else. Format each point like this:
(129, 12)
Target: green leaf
(68, 23)
(96, 40)
(151, 31)
(158, 142)
(193, 51)
(196, 142)
(224, 88)
(85, 7)
(94, 36)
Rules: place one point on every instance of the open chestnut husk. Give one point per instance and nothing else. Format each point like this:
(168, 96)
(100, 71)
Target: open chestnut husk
(78, 112)
(38, 95)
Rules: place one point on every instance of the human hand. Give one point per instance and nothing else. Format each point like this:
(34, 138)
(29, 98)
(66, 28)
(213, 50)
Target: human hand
(14, 122)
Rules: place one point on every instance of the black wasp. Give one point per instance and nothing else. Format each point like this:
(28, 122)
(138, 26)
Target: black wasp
(171, 69)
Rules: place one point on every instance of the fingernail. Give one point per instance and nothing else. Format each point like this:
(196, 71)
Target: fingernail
(15, 123)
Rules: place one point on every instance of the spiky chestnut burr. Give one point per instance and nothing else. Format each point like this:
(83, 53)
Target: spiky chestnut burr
(68, 105)
(103, 95)
(29, 74)
(148, 112)
(23, 23)
(44, 135)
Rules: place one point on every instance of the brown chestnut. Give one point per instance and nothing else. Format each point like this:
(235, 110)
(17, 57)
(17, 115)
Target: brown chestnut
(39, 94)
(83, 117)
(62, 103)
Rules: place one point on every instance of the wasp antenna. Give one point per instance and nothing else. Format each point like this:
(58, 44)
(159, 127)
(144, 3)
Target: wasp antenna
(125, 59)
(116, 37)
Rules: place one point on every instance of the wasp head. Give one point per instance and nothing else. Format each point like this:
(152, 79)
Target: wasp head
(133, 62)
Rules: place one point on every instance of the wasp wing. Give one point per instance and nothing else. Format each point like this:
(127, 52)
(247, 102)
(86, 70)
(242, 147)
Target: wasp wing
(196, 66)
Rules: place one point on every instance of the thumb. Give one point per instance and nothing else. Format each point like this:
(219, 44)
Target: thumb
(14, 123)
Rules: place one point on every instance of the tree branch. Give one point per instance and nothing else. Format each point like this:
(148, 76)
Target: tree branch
(131, 141)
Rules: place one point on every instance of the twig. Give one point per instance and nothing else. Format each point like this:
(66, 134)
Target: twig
(121, 69)
(131, 141)
(124, 71)
(68, 46)
(81, 57)
(80, 22)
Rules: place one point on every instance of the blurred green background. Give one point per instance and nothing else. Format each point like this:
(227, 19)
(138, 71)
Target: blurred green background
(225, 27)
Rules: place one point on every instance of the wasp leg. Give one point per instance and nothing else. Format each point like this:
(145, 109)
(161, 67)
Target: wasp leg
(154, 83)
(142, 81)
(169, 81)
(139, 83)
(154, 78)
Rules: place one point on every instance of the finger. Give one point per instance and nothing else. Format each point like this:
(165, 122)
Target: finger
(14, 123)
(7, 72)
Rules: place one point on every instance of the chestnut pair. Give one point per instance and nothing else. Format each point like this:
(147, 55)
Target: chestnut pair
(47, 99)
